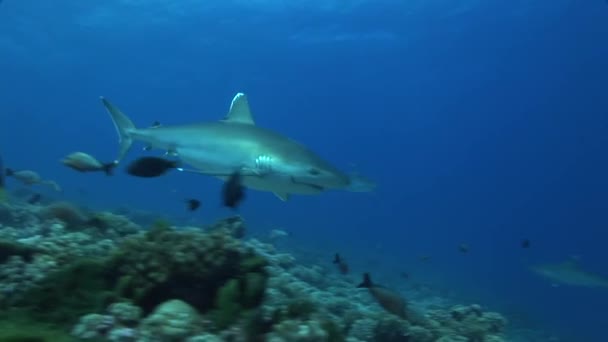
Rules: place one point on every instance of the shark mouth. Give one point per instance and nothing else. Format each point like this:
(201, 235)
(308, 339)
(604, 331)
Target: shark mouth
(313, 186)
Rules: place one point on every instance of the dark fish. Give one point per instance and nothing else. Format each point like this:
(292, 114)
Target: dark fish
(463, 248)
(149, 167)
(34, 199)
(404, 275)
(388, 299)
(193, 204)
(525, 243)
(233, 191)
(342, 265)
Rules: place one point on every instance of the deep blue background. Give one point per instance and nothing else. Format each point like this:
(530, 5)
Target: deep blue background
(482, 122)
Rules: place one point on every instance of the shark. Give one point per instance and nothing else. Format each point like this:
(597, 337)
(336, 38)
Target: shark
(266, 160)
(570, 273)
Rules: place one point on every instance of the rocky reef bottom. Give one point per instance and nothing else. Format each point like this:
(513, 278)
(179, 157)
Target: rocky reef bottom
(67, 274)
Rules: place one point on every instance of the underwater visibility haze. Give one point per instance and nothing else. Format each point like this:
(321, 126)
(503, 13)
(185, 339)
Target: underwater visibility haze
(471, 137)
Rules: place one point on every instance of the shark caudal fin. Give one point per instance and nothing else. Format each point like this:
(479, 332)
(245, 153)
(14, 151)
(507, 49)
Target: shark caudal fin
(124, 127)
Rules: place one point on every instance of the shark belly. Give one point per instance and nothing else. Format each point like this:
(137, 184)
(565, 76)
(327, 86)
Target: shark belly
(279, 185)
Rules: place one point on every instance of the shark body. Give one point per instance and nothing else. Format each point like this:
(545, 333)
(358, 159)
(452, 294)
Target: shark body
(267, 160)
(570, 273)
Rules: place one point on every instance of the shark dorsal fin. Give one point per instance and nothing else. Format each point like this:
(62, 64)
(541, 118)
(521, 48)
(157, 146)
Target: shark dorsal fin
(239, 111)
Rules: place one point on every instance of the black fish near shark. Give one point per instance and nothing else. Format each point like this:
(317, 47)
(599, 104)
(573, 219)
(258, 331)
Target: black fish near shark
(150, 167)
(233, 191)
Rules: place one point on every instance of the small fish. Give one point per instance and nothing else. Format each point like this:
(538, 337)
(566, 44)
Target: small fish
(390, 300)
(342, 265)
(276, 234)
(84, 162)
(34, 199)
(463, 248)
(233, 191)
(404, 275)
(193, 204)
(149, 167)
(525, 243)
(29, 177)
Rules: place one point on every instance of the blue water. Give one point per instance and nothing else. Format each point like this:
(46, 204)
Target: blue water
(483, 122)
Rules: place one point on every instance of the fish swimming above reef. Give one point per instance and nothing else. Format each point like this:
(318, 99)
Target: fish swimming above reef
(85, 162)
(29, 177)
(341, 264)
(266, 160)
(193, 204)
(390, 300)
(570, 273)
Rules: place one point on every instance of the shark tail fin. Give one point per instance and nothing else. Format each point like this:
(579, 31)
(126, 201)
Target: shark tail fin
(124, 127)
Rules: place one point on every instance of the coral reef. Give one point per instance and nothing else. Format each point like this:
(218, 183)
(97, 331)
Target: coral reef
(100, 277)
(193, 266)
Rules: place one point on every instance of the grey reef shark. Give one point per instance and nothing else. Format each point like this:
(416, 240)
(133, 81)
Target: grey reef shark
(266, 160)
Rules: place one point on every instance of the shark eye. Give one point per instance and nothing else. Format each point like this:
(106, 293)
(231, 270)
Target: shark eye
(314, 172)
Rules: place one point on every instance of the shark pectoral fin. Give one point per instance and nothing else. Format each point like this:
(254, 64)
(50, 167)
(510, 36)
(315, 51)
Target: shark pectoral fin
(282, 196)
(239, 111)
